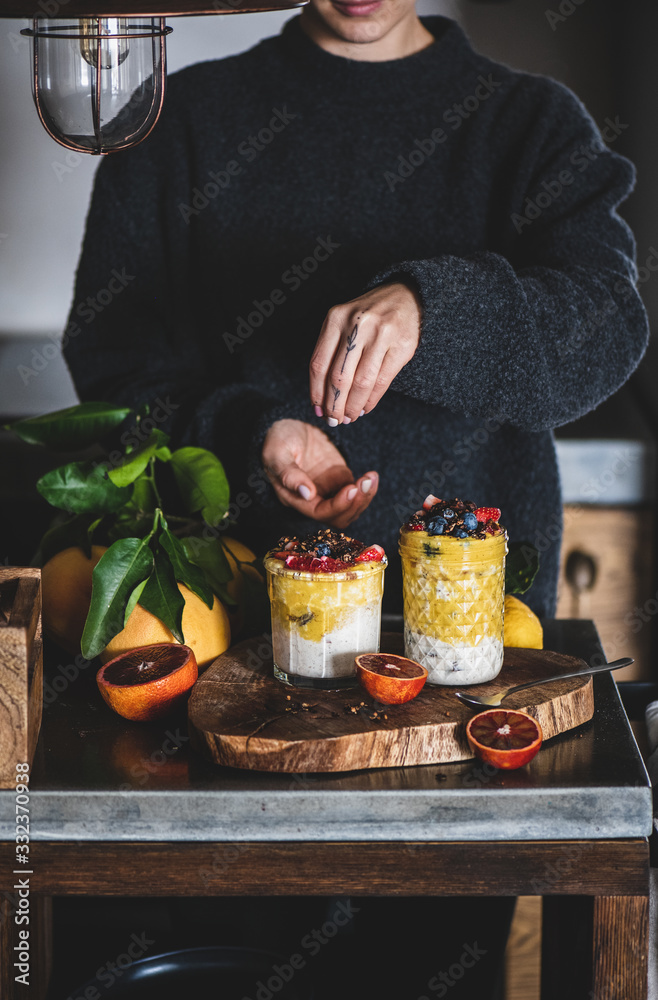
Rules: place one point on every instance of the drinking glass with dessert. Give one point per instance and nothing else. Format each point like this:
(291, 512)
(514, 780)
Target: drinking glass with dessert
(325, 595)
(453, 571)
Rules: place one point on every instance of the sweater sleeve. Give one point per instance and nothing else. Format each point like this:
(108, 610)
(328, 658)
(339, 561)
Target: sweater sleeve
(133, 336)
(548, 326)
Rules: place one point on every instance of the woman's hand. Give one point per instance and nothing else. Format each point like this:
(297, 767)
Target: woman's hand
(362, 346)
(309, 473)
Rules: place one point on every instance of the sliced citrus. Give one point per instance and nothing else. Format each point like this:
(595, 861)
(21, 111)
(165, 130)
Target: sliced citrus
(389, 678)
(504, 738)
(149, 681)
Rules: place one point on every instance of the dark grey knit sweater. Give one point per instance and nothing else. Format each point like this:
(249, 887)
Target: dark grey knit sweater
(287, 180)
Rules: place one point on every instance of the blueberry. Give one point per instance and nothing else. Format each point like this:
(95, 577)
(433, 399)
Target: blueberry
(436, 526)
(470, 522)
(322, 549)
(448, 513)
(460, 533)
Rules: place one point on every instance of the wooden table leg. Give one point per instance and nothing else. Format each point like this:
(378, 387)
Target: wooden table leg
(40, 949)
(6, 943)
(620, 947)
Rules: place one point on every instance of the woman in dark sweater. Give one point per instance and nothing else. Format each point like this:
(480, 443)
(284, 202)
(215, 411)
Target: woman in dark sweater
(465, 211)
(437, 236)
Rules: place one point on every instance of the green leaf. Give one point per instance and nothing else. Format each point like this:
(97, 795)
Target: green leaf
(143, 498)
(81, 488)
(202, 482)
(136, 517)
(162, 597)
(72, 428)
(132, 601)
(71, 533)
(135, 463)
(209, 555)
(184, 570)
(125, 564)
(521, 567)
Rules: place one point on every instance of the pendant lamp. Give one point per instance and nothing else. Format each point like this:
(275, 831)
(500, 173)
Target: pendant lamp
(99, 66)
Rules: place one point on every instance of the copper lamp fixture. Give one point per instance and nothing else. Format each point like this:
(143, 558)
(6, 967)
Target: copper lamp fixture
(99, 66)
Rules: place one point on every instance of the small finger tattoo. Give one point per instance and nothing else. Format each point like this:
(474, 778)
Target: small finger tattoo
(351, 344)
(336, 393)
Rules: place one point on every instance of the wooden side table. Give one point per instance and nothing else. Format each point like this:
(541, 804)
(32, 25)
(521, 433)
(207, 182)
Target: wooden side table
(119, 809)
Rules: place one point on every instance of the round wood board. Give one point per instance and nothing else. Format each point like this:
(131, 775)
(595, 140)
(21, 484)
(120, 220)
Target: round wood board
(241, 716)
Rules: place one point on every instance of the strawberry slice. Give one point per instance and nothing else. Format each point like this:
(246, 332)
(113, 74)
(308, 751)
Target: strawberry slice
(374, 553)
(313, 564)
(299, 562)
(429, 501)
(485, 514)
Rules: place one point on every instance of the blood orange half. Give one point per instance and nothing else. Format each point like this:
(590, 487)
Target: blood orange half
(504, 738)
(389, 678)
(149, 681)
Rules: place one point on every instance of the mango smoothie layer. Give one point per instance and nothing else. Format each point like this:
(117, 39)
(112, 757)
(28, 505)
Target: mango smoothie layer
(326, 608)
(453, 588)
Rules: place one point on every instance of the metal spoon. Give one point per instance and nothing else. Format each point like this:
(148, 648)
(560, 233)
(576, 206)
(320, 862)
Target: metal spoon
(494, 700)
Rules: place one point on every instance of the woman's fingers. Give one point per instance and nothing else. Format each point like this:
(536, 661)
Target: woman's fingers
(339, 510)
(365, 400)
(363, 345)
(309, 474)
(322, 357)
(349, 503)
(291, 482)
(371, 375)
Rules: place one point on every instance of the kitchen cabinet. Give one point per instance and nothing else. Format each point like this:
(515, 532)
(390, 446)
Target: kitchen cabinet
(607, 575)
(608, 560)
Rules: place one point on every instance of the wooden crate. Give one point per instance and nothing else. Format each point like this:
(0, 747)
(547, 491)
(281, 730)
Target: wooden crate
(21, 669)
(622, 601)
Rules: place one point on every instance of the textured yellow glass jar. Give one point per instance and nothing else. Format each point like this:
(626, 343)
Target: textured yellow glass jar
(321, 621)
(454, 592)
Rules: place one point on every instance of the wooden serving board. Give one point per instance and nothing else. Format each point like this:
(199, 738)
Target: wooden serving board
(241, 716)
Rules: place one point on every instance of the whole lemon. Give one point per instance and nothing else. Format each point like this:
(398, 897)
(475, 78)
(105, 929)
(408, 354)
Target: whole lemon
(66, 582)
(66, 595)
(206, 631)
(522, 627)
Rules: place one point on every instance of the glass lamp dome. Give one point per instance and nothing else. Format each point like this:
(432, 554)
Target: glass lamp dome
(99, 82)
(99, 69)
